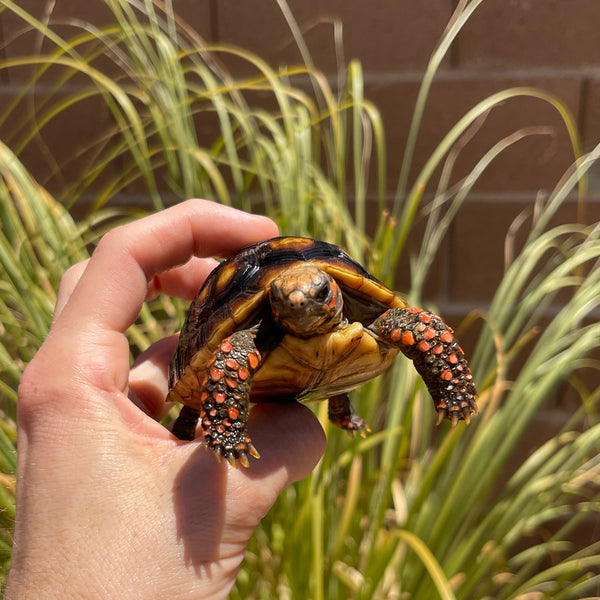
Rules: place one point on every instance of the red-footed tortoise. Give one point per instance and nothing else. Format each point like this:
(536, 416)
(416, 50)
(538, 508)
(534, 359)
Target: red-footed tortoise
(297, 319)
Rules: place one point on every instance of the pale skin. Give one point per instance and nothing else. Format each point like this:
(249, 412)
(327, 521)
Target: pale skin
(109, 503)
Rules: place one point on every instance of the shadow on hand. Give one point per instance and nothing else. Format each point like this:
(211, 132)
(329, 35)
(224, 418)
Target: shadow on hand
(199, 495)
(290, 440)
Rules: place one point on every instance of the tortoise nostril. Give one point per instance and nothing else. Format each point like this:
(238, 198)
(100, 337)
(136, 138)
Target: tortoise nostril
(296, 300)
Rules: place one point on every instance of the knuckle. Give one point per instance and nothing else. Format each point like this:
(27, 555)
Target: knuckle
(47, 376)
(73, 273)
(32, 392)
(116, 237)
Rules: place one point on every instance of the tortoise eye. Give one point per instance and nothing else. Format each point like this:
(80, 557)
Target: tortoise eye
(323, 293)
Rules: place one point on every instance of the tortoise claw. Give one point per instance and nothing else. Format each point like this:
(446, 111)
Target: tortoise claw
(243, 458)
(231, 460)
(466, 413)
(441, 415)
(232, 456)
(455, 414)
(252, 451)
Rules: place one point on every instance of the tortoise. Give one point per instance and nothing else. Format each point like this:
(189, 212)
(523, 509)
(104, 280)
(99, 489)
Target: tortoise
(293, 318)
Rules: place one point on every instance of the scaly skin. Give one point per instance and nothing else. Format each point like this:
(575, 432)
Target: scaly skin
(425, 339)
(342, 413)
(224, 393)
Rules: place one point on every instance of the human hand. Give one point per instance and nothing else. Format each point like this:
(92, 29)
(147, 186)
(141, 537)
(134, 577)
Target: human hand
(109, 503)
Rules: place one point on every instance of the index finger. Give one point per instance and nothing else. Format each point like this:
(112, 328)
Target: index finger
(115, 282)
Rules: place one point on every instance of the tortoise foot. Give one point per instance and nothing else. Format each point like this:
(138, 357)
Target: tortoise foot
(425, 339)
(220, 402)
(354, 425)
(456, 412)
(234, 453)
(342, 414)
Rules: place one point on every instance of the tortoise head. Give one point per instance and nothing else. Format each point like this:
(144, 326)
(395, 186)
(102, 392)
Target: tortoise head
(306, 301)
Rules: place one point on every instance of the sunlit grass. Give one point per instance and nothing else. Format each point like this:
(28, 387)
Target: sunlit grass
(413, 511)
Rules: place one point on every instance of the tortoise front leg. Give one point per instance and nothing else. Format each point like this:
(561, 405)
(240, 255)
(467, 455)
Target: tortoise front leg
(222, 402)
(342, 413)
(425, 339)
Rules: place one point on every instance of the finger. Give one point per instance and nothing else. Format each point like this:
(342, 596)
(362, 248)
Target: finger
(68, 282)
(291, 442)
(149, 380)
(184, 281)
(115, 282)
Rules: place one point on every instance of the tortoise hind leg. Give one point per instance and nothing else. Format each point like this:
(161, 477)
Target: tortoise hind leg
(222, 403)
(342, 413)
(184, 427)
(425, 339)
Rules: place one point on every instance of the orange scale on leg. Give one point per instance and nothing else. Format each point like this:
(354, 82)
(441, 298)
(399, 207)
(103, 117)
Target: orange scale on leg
(395, 334)
(253, 360)
(429, 333)
(446, 375)
(446, 337)
(216, 374)
(408, 339)
(226, 346)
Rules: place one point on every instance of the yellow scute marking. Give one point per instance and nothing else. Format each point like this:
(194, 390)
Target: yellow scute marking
(226, 274)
